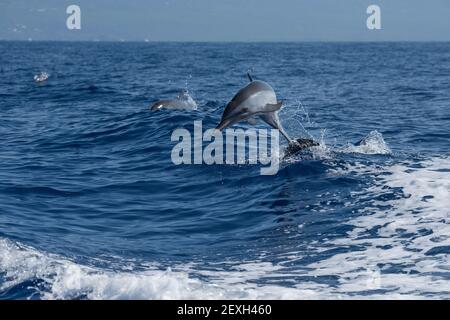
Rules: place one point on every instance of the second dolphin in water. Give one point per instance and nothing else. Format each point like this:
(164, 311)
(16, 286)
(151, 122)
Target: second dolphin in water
(182, 101)
(259, 99)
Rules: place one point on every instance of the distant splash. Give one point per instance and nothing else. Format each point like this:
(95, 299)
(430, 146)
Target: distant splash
(41, 77)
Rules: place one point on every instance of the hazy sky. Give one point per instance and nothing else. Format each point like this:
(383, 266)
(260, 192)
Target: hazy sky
(225, 20)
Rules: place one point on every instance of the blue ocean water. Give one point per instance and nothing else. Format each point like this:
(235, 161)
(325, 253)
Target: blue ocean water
(92, 207)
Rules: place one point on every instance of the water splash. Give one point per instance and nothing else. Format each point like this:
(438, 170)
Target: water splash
(41, 77)
(186, 98)
(373, 143)
(300, 118)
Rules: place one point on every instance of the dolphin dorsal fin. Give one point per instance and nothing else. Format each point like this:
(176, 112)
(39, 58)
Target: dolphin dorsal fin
(249, 76)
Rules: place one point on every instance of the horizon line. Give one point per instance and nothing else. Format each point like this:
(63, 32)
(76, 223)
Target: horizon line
(228, 41)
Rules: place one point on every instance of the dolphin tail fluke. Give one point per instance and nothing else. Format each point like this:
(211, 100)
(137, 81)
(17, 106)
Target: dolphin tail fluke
(249, 76)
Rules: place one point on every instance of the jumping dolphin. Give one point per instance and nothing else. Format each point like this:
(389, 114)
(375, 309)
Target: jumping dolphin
(259, 99)
(255, 99)
(182, 101)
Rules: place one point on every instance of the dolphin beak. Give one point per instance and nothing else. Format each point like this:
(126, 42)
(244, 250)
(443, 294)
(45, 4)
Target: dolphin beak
(156, 107)
(223, 124)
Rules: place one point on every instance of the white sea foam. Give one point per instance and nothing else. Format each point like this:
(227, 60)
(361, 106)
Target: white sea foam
(65, 279)
(372, 144)
(395, 237)
(403, 229)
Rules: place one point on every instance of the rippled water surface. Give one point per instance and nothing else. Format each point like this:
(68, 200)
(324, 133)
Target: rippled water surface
(91, 205)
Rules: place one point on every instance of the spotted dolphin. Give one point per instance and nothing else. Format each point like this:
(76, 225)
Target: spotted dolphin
(259, 99)
(255, 99)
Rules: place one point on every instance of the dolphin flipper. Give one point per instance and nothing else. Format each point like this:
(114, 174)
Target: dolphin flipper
(246, 115)
(253, 121)
(272, 107)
